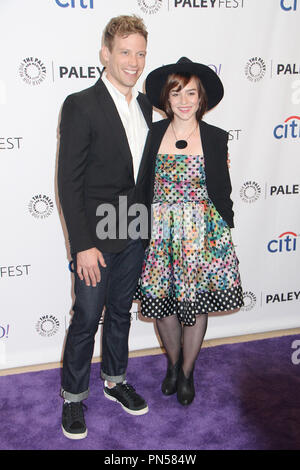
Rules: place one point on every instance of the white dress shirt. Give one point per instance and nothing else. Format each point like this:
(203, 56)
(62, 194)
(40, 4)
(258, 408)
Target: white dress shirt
(133, 121)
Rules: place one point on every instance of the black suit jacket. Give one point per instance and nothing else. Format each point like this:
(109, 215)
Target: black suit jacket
(214, 142)
(95, 165)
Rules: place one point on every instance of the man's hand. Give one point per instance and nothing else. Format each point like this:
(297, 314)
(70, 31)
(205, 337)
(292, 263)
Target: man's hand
(87, 266)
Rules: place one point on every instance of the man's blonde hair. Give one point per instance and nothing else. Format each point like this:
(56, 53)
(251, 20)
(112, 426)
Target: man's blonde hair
(123, 25)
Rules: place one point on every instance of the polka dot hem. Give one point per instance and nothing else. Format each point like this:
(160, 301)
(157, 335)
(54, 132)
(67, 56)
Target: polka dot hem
(206, 302)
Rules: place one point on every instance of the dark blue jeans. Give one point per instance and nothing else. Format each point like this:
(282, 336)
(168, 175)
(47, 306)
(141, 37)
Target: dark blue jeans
(115, 291)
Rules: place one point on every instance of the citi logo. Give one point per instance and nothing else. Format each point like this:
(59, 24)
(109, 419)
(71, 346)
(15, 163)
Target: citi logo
(71, 266)
(74, 3)
(287, 241)
(289, 129)
(288, 5)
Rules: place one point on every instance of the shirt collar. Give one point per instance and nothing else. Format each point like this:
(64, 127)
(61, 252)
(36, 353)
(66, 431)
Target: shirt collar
(115, 92)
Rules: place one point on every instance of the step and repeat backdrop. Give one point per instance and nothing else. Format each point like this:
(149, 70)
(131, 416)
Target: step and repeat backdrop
(49, 49)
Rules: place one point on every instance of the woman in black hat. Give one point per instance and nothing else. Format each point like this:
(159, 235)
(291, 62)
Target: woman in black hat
(190, 267)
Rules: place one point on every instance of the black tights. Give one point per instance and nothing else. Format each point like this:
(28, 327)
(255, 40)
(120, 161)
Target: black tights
(190, 338)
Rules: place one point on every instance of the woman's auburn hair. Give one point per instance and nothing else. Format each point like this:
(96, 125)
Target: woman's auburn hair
(176, 82)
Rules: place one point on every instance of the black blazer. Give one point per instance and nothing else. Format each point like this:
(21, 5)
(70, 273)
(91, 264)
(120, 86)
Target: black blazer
(214, 142)
(95, 165)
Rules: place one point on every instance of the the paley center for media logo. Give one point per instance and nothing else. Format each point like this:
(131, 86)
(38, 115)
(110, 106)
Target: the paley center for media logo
(47, 325)
(40, 206)
(284, 190)
(249, 301)
(150, 7)
(207, 4)
(32, 71)
(255, 69)
(277, 297)
(250, 191)
(77, 71)
(286, 69)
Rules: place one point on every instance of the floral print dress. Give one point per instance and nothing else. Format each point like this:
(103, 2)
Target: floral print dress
(190, 266)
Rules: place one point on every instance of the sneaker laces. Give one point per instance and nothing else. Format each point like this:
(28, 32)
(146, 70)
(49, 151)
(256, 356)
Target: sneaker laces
(77, 410)
(127, 388)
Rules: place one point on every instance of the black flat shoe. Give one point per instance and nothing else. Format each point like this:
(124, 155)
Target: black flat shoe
(169, 385)
(185, 388)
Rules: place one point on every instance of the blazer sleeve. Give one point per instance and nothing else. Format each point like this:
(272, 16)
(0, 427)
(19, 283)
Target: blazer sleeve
(223, 199)
(75, 134)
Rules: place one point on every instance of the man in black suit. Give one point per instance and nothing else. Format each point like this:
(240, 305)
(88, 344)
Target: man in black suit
(104, 170)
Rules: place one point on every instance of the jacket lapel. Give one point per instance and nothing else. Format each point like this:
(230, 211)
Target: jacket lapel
(160, 131)
(147, 113)
(118, 132)
(151, 147)
(206, 145)
(146, 109)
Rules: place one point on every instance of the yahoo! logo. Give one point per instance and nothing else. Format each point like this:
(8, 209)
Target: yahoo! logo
(216, 68)
(74, 3)
(287, 241)
(288, 5)
(290, 128)
(4, 331)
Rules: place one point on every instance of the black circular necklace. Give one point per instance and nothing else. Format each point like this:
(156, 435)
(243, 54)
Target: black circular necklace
(182, 144)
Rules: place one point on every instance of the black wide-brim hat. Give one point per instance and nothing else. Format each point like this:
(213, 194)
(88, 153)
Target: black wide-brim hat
(156, 80)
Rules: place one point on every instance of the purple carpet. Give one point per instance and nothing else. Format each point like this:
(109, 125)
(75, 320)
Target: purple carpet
(247, 397)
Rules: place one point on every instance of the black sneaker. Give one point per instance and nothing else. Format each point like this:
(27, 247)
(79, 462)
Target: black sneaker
(126, 395)
(73, 424)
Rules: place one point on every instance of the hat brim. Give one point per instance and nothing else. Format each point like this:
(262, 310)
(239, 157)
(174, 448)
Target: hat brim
(156, 80)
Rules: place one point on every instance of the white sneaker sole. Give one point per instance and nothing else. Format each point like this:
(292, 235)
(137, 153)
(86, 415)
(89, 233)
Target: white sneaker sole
(131, 412)
(74, 436)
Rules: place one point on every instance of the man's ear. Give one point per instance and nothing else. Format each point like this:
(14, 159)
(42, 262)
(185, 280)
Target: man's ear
(104, 54)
